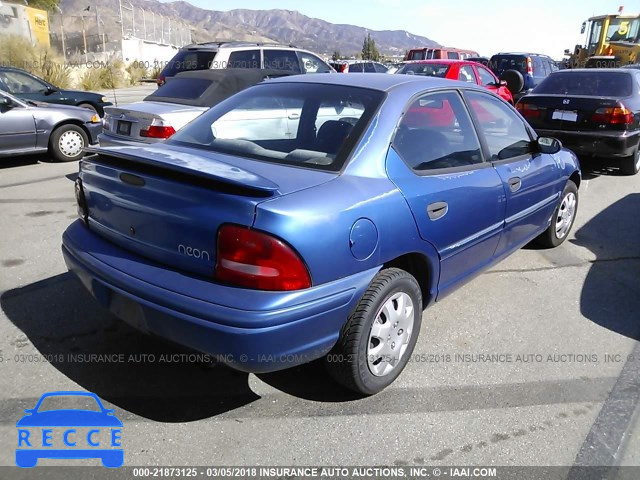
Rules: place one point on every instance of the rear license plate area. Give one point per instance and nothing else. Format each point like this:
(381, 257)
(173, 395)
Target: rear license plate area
(124, 128)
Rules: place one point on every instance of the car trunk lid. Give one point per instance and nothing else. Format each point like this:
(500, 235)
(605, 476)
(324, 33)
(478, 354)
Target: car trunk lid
(569, 112)
(166, 204)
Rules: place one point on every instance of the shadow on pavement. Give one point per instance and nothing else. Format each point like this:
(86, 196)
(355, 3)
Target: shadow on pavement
(22, 160)
(138, 373)
(611, 293)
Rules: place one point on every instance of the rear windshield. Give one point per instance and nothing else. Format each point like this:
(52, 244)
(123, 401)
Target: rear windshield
(306, 125)
(425, 69)
(188, 60)
(182, 88)
(501, 63)
(596, 83)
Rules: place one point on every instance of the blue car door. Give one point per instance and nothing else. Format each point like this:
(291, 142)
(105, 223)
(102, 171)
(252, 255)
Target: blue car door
(457, 199)
(532, 180)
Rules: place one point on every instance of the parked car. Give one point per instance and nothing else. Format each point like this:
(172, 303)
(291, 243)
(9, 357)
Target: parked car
(522, 71)
(181, 99)
(462, 70)
(428, 53)
(275, 249)
(594, 112)
(216, 55)
(34, 127)
(358, 66)
(27, 86)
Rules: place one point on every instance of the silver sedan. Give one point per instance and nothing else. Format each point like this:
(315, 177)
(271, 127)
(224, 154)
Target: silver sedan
(34, 127)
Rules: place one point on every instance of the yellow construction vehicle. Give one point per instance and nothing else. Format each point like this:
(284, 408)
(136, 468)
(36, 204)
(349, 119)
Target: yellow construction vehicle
(612, 41)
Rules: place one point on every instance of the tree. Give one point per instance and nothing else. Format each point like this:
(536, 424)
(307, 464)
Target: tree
(369, 49)
(335, 56)
(48, 5)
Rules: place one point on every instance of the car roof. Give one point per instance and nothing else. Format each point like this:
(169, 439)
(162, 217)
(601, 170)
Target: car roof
(436, 60)
(592, 70)
(524, 54)
(376, 81)
(215, 45)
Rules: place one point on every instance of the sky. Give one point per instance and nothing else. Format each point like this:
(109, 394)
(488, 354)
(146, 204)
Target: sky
(487, 26)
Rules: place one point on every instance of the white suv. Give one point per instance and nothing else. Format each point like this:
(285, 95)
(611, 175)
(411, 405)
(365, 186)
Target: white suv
(214, 55)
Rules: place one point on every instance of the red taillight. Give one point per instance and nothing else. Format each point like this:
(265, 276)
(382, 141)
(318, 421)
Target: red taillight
(160, 80)
(253, 259)
(618, 115)
(158, 129)
(528, 110)
(529, 66)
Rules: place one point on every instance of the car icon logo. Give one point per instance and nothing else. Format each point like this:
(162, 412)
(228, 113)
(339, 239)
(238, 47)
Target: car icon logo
(80, 428)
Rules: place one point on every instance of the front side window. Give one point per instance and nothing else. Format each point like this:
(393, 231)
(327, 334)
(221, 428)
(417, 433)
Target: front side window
(18, 82)
(486, 77)
(436, 132)
(313, 64)
(503, 130)
(244, 59)
(310, 125)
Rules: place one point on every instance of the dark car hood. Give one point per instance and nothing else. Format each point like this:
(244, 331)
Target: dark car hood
(82, 95)
(69, 418)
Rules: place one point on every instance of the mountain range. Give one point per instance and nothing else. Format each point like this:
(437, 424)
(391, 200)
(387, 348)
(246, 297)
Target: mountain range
(284, 26)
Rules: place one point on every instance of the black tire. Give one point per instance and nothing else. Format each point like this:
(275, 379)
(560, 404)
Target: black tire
(347, 363)
(631, 165)
(88, 106)
(514, 79)
(74, 139)
(549, 238)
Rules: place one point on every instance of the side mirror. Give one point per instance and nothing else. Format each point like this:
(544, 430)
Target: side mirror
(502, 83)
(549, 145)
(5, 102)
(583, 27)
(49, 90)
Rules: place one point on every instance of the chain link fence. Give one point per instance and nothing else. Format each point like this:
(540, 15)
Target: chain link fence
(91, 35)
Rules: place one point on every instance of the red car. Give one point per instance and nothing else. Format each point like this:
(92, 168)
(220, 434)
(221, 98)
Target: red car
(462, 70)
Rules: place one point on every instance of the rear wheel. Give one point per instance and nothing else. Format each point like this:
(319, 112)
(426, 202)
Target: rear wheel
(377, 340)
(67, 143)
(631, 165)
(514, 79)
(563, 217)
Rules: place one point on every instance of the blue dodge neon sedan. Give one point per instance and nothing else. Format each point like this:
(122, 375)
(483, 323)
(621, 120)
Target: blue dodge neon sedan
(312, 216)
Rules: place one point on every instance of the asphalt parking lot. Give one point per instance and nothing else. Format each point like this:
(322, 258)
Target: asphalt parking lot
(535, 362)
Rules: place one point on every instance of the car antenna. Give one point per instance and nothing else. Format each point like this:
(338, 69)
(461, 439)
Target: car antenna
(113, 87)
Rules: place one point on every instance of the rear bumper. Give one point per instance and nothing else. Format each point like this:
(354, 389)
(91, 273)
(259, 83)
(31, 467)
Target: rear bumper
(107, 140)
(596, 144)
(252, 331)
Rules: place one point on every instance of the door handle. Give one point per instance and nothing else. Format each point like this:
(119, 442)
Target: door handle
(437, 210)
(515, 183)
(294, 116)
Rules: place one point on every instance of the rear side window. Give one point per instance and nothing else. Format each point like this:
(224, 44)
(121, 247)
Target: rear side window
(369, 68)
(189, 60)
(595, 83)
(356, 67)
(244, 59)
(380, 68)
(286, 60)
(436, 132)
(453, 55)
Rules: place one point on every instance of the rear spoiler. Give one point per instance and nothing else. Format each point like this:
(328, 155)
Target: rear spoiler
(203, 170)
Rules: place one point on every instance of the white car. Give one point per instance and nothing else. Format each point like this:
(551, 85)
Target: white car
(177, 102)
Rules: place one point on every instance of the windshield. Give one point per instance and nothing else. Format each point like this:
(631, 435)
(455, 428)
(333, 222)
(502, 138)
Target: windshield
(623, 30)
(425, 69)
(601, 84)
(183, 88)
(501, 63)
(308, 125)
(69, 402)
